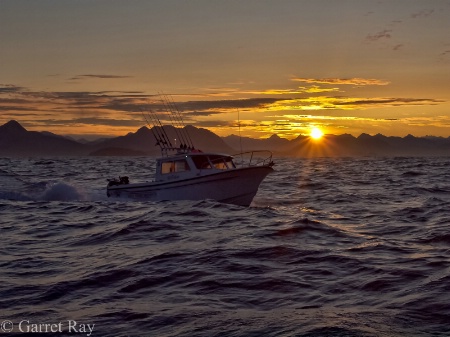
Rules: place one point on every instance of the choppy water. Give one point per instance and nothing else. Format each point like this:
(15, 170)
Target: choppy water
(330, 247)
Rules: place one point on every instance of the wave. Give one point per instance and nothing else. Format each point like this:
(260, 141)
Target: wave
(413, 174)
(328, 248)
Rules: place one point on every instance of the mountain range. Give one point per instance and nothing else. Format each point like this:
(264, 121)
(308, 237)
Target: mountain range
(15, 140)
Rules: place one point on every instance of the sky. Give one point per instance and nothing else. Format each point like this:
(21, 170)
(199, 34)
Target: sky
(96, 68)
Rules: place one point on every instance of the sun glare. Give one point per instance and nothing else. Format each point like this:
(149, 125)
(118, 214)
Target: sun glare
(316, 133)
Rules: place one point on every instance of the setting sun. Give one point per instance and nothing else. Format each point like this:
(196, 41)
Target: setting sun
(316, 133)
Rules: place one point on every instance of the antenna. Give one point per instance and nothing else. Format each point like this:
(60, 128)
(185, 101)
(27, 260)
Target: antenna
(240, 137)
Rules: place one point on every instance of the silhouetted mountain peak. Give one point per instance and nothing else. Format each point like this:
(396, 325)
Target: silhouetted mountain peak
(380, 136)
(13, 127)
(15, 140)
(364, 136)
(410, 137)
(143, 130)
(346, 136)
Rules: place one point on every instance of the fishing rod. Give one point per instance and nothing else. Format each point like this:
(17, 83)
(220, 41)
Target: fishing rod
(180, 118)
(164, 138)
(162, 130)
(155, 131)
(240, 137)
(173, 116)
(173, 121)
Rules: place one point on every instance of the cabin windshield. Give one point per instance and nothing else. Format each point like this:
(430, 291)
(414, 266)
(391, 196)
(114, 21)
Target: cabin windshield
(201, 162)
(174, 166)
(213, 161)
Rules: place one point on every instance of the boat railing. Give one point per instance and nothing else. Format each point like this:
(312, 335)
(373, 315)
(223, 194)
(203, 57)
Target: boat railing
(242, 159)
(253, 158)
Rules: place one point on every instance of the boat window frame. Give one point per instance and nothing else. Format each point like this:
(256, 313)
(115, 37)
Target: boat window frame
(229, 162)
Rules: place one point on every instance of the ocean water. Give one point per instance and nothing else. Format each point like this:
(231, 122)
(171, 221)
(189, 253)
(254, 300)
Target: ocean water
(329, 247)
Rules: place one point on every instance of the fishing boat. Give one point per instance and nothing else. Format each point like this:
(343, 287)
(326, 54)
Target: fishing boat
(186, 173)
(194, 175)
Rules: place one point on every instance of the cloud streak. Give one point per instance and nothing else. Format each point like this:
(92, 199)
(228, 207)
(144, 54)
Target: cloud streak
(10, 88)
(117, 112)
(343, 81)
(422, 14)
(98, 76)
(381, 35)
(136, 102)
(349, 103)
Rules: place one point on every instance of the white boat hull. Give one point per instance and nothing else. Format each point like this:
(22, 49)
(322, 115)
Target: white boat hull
(238, 186)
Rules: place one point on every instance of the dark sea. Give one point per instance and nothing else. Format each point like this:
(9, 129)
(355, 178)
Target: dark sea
(329, 247)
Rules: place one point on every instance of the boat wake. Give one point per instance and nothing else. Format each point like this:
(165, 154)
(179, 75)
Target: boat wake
(62, 191)
(18, 190)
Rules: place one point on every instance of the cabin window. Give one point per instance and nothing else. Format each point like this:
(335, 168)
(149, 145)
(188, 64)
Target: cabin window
(174, 166)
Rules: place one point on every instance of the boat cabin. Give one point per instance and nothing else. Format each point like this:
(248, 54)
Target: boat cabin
(191, 164)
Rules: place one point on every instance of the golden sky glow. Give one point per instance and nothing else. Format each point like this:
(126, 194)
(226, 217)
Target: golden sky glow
(92, 68)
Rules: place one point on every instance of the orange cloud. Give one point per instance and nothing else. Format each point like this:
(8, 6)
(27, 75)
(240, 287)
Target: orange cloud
(316, 89)
(343, 81)
(275, 92)
(346, 103)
